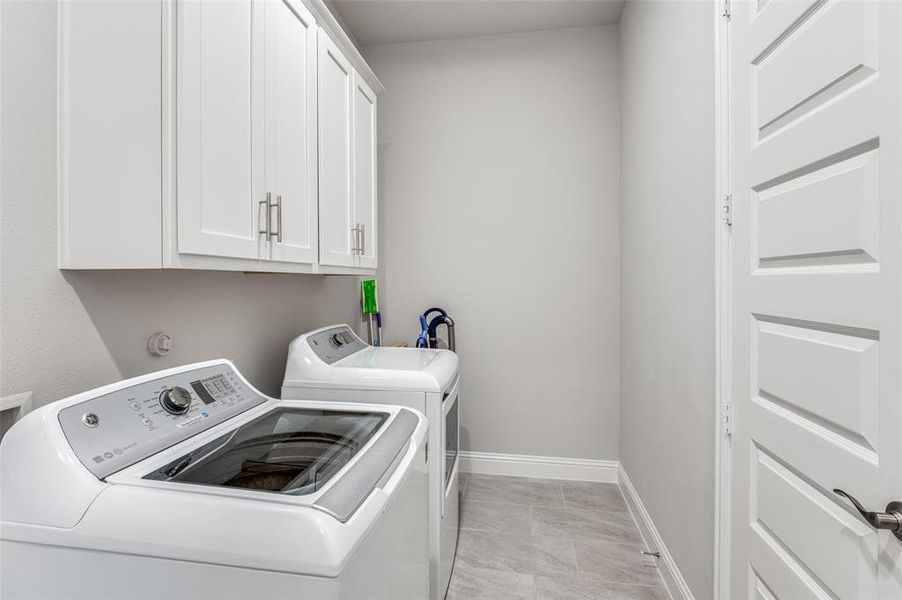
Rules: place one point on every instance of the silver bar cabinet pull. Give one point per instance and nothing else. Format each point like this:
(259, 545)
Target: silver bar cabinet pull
(362, 249)
(266, 205)
(355, 239)
(278, 234)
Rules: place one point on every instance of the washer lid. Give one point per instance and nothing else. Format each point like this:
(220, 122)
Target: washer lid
(393, 359)
(398, 369)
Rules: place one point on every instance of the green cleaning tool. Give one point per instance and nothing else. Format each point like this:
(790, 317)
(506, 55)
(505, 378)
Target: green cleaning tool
(369, 298)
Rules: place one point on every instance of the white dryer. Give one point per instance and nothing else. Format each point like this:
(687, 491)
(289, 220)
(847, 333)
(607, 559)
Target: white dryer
(333, 363)
(189, 483)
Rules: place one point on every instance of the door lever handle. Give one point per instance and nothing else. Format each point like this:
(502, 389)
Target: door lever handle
(890, 520)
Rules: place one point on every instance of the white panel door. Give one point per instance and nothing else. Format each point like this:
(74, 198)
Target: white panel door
(336, 211)
(291, 130)
(364, 164)
(220, 127)
(816, 304)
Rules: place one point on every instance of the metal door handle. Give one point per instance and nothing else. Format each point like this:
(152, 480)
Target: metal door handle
(267, 209)
(278, 234)
(362, 245)
(890, 520)
(355, 236)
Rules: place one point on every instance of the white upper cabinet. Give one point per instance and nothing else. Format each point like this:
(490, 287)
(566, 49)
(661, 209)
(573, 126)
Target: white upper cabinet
(347, 162)
(364, 180)
(231, 135)
(110, 139)
(219, 91)
(291, 153)
(337, 232)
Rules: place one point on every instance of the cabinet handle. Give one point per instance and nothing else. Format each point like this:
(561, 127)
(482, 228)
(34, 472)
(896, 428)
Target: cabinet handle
(355, 239)
(278, 234)
(362, 246)
(266, 205)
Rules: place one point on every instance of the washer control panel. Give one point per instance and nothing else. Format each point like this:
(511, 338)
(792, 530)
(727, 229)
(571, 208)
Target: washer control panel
(334, 344)
(114, 431)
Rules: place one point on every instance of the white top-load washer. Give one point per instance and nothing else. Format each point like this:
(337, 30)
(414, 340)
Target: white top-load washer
(333, 363)
(189, 483)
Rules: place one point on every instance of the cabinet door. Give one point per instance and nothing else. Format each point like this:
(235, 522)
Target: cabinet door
(220, 127)
(335, 77)
(291, 130)
(364, 164)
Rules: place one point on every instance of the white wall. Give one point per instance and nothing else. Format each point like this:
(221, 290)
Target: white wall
(65, 332)
(499, 201)
(667, 274)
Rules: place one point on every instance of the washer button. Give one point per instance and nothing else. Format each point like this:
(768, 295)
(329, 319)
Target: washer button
(91, 420)
(147, 422)
(136, 406)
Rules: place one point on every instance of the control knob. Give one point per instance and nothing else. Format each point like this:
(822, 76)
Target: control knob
(176, 400)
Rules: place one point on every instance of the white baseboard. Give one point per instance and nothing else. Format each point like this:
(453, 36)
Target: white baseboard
(545, 467)
(670, 573)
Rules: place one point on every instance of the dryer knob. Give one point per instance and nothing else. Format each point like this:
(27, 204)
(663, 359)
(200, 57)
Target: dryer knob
(176, 400)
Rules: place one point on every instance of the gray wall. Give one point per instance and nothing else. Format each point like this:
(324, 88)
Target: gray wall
(65, 332)
(667, 274)
(499, 201)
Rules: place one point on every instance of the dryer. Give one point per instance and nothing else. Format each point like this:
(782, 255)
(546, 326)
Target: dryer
(189, 483)
(333, 363)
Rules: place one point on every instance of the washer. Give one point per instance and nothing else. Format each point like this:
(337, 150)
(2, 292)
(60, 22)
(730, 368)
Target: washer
(189, 483)
(333, 363)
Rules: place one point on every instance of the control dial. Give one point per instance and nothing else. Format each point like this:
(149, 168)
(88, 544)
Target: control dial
(176, 400)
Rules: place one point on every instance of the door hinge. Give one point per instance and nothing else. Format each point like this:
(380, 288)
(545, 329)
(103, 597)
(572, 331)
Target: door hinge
(727, 414)
(726, 208)
(726, 10)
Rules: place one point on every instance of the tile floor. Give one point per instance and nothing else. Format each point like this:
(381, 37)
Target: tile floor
(540, 539)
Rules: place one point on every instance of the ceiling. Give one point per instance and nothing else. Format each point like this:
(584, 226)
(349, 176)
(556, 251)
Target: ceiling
(391, 21)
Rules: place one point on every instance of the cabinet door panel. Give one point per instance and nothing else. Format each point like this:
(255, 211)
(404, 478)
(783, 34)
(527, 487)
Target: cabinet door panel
(364, 163)
(220, 119)
(110, 139)
(335, 186)
(291, 129)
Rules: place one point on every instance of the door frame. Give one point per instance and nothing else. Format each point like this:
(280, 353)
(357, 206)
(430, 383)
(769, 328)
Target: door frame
(722, 301)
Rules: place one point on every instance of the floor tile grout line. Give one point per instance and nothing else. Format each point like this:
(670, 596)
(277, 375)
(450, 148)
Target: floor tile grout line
(507, 503)
(591, 539)
(592, 509)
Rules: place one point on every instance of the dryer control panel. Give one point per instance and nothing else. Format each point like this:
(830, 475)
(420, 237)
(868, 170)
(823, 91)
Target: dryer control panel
(333, 344)
(116, 430)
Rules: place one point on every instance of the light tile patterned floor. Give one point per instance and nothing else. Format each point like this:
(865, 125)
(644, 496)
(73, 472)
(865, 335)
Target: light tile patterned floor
(539, 539)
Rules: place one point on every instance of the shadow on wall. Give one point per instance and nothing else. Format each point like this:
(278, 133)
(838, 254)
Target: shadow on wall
(249, 318)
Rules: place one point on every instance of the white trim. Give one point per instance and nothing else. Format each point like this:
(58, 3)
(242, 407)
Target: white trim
(722, 299)
(667, 567)
(544, 467)
(327, 21)
(62, 137)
